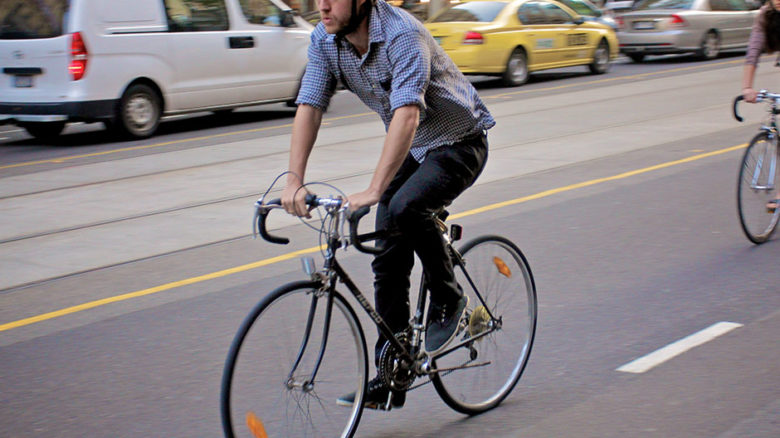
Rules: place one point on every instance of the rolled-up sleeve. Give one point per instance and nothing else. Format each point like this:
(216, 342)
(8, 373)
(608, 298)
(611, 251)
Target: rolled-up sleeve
(410, 61)
(318, 84)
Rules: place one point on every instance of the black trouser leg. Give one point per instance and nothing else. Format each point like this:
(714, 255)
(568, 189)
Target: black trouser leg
(416, 192)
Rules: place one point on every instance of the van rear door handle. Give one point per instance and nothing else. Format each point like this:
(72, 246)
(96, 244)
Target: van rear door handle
(241, 42)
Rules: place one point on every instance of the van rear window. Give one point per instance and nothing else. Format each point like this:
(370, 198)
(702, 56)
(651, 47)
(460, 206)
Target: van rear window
(28, 19)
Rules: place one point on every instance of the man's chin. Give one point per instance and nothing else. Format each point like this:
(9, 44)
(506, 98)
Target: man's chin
(331, 28)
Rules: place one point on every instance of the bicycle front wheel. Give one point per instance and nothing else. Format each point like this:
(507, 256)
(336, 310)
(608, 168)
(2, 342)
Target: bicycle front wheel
(481, 375)
(267, 386)
(756, 186)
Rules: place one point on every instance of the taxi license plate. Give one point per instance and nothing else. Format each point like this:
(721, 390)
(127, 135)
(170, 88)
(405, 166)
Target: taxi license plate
(644, 25)
(25, 81)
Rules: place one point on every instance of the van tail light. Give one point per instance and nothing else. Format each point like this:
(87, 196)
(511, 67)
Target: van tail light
(621, 24)
(677, 21)
(78, 54)
(473, 38)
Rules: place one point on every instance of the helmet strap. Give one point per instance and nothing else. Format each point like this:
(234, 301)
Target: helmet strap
(356, 18)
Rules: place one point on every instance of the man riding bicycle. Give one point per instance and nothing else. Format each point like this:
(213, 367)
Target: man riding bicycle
(435, 148)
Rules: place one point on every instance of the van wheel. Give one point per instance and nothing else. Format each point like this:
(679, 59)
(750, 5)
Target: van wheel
(516, 72)
(600, 62)
(44, 130)
(637, 57)
(139, 111)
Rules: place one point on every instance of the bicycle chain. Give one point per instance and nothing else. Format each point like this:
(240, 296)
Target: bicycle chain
(412, 388)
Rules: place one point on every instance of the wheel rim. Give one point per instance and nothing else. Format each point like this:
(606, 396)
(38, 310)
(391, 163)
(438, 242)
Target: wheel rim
(711, 45)
(756, 187)
(602, 58)
(518, 68)
(258, 394)
(505, 283)
(141, 112)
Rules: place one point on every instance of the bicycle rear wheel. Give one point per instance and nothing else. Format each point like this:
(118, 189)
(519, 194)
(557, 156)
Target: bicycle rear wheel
(501, 274)
(264, 392)
(756, 186)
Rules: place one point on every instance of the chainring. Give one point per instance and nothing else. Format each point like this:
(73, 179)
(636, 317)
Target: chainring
(390, 369)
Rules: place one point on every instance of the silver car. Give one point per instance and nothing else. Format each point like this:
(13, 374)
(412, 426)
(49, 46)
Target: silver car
(704, 27)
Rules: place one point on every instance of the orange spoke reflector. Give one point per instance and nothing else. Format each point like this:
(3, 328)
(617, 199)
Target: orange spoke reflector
(255, 425)
(503, 269)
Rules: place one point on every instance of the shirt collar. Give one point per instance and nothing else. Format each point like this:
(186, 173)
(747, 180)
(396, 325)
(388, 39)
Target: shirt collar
(375, 34)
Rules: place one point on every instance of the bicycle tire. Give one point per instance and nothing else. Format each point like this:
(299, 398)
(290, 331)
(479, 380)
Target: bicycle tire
(256, 397)
(501, 273)
(754, 189)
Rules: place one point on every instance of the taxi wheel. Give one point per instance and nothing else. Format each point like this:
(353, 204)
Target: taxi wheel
(600, 62)
(516, 72)
(139, 112)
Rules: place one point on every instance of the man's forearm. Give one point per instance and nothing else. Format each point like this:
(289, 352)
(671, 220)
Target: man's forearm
(748, 73)
(397, 143)
(304, 134)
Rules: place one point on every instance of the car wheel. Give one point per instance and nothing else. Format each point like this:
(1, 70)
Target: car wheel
(139, 111)
(637, 57)
(710, 46)
(44, 130)
(600, 62)
(516, 72)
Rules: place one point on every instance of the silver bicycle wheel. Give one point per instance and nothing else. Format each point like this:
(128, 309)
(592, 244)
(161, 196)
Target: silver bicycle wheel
(756, 186)
(264, 392)
(497, 360)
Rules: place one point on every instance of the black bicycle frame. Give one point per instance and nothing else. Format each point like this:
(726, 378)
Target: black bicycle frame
(340, 274)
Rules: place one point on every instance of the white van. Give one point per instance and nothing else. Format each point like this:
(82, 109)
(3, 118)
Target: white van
(128, 62)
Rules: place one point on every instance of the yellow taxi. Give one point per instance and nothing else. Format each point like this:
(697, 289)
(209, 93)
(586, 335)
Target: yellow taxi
(513, 38)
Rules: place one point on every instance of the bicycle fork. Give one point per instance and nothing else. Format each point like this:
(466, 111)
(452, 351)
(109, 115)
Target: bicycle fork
(308, 385)
(771, 155)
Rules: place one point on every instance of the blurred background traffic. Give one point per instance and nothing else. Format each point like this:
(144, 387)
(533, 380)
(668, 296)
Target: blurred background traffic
(128, 65)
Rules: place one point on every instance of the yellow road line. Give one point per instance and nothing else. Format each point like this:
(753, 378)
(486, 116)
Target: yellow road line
(592, 182)
(156, 289)
(292, 255)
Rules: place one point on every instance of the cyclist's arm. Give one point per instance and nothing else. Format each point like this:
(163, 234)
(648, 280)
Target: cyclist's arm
(748, 73)
(304, 134)
(755, 47)
(398, 141)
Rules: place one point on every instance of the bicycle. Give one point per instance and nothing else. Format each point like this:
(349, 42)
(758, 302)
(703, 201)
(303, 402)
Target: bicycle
(302, 346)
(757, 183)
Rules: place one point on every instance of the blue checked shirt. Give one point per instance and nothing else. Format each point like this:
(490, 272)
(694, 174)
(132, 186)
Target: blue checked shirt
(403, 66)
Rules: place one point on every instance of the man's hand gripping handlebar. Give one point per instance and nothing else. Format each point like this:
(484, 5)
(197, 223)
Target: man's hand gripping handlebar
(333, 206)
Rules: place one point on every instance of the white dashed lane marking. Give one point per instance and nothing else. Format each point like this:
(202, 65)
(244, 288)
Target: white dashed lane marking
(647, 362)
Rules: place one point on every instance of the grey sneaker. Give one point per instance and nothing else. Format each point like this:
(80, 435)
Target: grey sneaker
(442, 324)
(377, 397)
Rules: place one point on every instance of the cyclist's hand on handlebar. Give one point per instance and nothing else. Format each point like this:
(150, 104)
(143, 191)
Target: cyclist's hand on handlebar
(749, 95)
(293, 200)
(366, 198)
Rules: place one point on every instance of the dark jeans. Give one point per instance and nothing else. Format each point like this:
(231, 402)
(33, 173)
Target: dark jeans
(414, 194)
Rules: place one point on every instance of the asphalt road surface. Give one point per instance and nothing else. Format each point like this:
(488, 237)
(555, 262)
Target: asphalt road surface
(127, 267)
